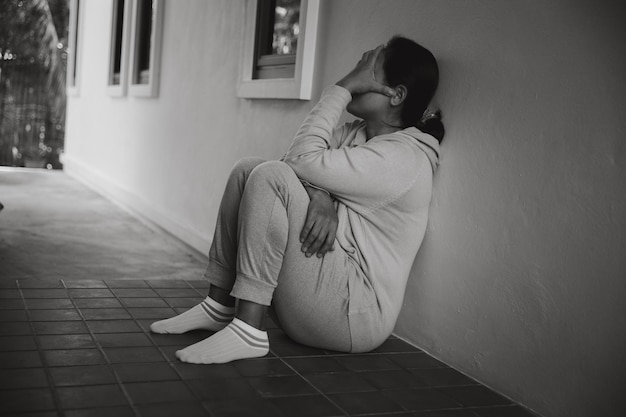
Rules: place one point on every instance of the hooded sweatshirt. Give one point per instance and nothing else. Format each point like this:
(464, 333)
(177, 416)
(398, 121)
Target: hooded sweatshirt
(382, 188)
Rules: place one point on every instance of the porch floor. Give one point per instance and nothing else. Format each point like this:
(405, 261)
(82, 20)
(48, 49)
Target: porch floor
(80, 282)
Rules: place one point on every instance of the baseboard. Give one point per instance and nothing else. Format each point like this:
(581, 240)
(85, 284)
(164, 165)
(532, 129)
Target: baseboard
(136, 206)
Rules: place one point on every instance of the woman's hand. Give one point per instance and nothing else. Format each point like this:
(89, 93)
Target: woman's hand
(362, 78)
(320, 226)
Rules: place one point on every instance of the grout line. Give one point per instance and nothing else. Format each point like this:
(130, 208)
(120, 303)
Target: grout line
(149, 335)
(109, 364)
(40, 351)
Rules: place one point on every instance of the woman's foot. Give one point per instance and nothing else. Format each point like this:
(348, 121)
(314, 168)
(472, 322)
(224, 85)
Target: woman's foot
(238, 340)
(208, 315)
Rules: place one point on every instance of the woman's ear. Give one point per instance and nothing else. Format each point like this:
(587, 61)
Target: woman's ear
(400, 93)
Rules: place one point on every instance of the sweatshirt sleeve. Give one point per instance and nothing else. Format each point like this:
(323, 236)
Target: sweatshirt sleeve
(364, 177)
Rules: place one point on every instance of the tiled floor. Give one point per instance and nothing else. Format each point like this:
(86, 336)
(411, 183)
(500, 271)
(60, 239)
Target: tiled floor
(82, 349)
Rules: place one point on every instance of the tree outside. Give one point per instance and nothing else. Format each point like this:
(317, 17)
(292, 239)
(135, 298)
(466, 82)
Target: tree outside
(33, 61)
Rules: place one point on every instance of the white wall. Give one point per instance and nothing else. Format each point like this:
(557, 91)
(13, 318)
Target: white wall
(520, 281)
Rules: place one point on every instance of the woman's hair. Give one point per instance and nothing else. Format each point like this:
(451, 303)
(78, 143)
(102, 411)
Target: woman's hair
(410, 64)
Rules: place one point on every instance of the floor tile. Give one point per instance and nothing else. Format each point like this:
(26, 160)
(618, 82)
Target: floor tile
(315, 364)
(107, 340)
(10, 293)
(127, 283)
(97, 303)
(91, 396)
(134, 292)
(23, 359)
(22, 378)
(44, 293)
(275, 386)
(113, 326)
(442, 377)
(73, 341)
(90, 293)
(72, 357)
(416, 360)
(421, 399)
(21, 400)
(445, 413)
(306, 406)
(366, 362)
(133, 355)
(235, 408)
(168, 283)
(212, 372)
(223, 389)
(120, 411)
(85, 283)
(145, 372)
(54, 315)
(158, 391)
(182, 340)
(262, 367)
(183, 302)
(173, 409)
(200, 285)
(9, 343)
(40, 283)
(144, 302)
(340, 382)
(82, 375)
(155, 313)
(396, 346)
(60, 327)
(504, 411)
(48, 303)
(176, 292)
(365, 402)
(11, 304)
(475, 396)
(105, 314)
(14, 328)
(390, 379)
(13, 315)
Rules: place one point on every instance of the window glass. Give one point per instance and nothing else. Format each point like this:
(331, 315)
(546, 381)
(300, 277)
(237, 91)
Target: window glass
(144, 33)
(119, 31)
(286, 27)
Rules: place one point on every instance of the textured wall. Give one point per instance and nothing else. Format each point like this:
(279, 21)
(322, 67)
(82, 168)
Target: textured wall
(520, 281)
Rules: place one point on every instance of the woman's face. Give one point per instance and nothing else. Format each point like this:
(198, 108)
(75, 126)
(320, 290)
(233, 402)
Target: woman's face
(371, 105)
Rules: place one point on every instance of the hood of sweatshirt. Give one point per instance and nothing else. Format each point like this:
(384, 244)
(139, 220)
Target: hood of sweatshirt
(426, 143)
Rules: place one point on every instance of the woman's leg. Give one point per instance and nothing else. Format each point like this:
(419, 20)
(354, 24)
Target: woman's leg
(311, 294)
(217, 310)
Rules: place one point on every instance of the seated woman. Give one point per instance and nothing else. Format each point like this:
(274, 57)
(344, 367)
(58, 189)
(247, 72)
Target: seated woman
(356, 196)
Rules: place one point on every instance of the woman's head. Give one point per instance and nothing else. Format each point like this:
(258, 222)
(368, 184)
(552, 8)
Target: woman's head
(412, 70)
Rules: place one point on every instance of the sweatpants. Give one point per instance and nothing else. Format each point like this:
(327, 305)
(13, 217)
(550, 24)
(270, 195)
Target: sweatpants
(256, 254)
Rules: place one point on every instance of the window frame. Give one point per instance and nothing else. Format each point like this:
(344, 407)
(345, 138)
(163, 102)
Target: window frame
(73, 75)
(151, 88)
(300, 86)
(119, 90)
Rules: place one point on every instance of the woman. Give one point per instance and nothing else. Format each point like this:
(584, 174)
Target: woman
(356, 196)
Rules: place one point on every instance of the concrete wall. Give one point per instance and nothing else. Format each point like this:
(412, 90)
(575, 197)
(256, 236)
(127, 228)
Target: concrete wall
(520, 281)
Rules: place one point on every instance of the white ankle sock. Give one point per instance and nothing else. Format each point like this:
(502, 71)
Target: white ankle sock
(236, 341)
(208, 315)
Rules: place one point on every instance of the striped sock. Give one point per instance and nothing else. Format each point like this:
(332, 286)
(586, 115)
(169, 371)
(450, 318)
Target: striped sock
(208, 315)
(236, 341)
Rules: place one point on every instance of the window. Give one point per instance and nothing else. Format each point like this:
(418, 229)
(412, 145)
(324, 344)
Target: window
(118, 61)
(279, 49)
(146, 47)
(73, 63)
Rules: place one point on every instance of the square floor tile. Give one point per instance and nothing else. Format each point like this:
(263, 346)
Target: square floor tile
(276, 386)
(23, 359)
(134, 292)
(504, 411)
(105, 314)
(366, 362)
(85, 283)
(188, 409)
(416, 360)
(251, 407)
(442, 377)
(445, 413)
(315, 364)
(13, 315)
(155, 313)
(40, 283)
(97, 303)
(73, 341)
(82, 375)
(223, 389)
(340, 382)
(168, 283)
(365, 402)
(183, 302)
(421, 399)
(176, 292)
(157, 392)
(306, 406)
(44, 293)
(133, 355)
(8, 343)
(215, 372)
(474, 396)
(396, 346)
(127, 283)
(145, 372)
(181, 340)
(144, 302)
(90, 293)
(72, 357)
(395, 378)
(48, 303)
(21, 400)
(113, 326)
(123, 340)
(262, 367)
(60, 327)
(119, 411)
(14, 328)
(91, 396)
(11, 304)
(54, 315)
(22, 378)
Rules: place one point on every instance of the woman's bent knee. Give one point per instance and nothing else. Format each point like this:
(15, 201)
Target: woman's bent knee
(274, 171)
(246, 165)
